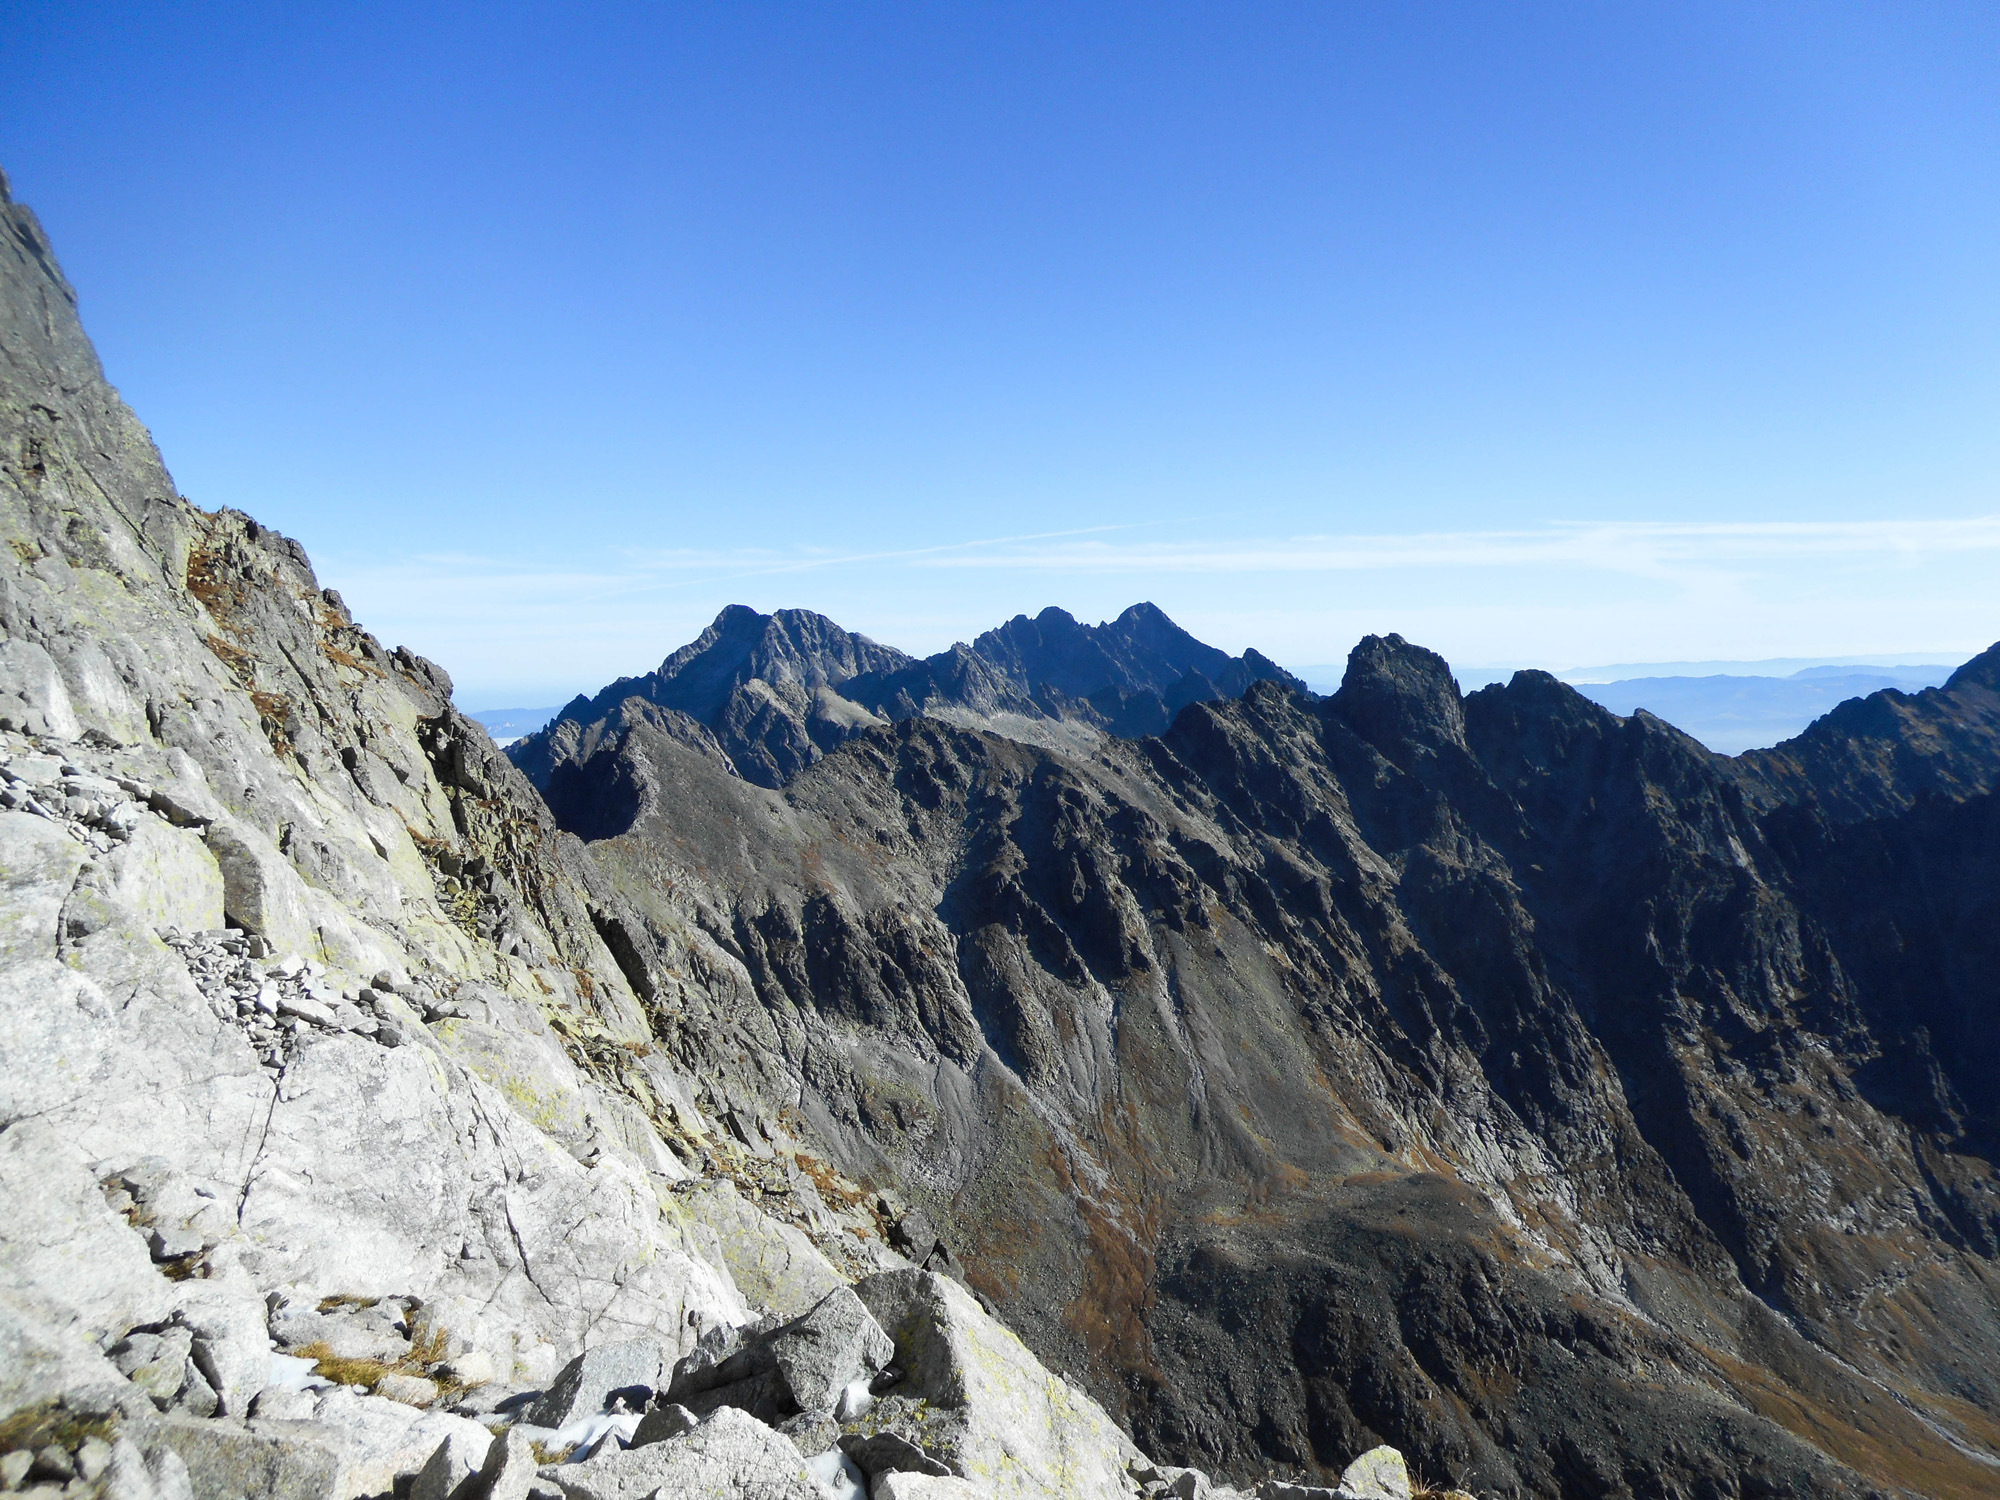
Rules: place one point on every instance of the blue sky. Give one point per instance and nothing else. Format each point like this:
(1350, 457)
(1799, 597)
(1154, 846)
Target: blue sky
(1553, 334)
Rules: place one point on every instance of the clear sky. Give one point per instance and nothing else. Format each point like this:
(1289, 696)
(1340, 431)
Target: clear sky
(1541, 333)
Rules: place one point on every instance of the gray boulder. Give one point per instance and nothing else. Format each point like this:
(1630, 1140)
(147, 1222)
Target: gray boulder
(168, 877)
(634, 1369)
(155, 1362)
(132, 1474)
(799, 1367)
(279, 1460)
(983, 1404)
(730, 1456)
(904, 1486)
(836, 1343)
(1378, 1474)
(261, 891)
(663, 1422)
(455, 1471)
(510, 1466)
(891, 1452)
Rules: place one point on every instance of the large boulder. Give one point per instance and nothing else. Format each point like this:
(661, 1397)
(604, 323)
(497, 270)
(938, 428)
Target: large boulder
(973, 1397)
(633, 1369)
(278, 1460)
(1378, 1474)
(905, 1486)
(799, 1367)
(168, 877)
(730, 1456)
(261, 891)
(456, 1470)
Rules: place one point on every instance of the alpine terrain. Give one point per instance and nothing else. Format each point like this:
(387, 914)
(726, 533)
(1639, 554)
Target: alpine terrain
(1080, 1063)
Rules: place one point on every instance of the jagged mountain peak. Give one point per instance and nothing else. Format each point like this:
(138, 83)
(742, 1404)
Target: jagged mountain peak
(1396, 694)
(786, 646)
(771, 693)
(1983, 671)
(1884, 753)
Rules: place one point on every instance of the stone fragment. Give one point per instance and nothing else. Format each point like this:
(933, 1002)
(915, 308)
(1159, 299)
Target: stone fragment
(905, 1486)
(168, 1243)
(834, 1344)
(14, 1468)
(198, 1396)
(184, 799)
(472, 1368)
(93, 1457)
(634, 1369)
(134, 1475)
(306, 1009)
(663, 1422)
(409, 1390)
(1378, 1474)
(453, 1471)
(889, 1451)
(510, 1465)
(155, 1362)
(284, 1404)
(800, 1367)
(232, 1342)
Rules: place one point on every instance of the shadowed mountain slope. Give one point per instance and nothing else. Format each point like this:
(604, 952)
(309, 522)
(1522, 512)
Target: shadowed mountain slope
(1521, 1084)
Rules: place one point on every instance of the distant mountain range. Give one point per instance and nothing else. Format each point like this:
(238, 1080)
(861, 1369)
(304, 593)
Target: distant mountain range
(770, 694)
(1728, 711)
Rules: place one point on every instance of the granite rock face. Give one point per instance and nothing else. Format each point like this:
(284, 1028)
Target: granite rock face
(334, 1097)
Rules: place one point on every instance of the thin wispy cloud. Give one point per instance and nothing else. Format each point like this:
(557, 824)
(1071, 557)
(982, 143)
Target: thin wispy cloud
(1652, 548)
(1657, 549)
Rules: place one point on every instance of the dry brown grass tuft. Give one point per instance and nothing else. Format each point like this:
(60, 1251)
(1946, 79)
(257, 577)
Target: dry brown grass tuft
(366, 1372)
(429, 1342)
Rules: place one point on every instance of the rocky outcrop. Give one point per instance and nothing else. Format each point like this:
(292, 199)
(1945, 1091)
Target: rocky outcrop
(771, 694)
(332, 1097)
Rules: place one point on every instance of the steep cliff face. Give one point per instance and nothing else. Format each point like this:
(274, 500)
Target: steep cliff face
(1493, 1075)
(770, 694)
(197, 733)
